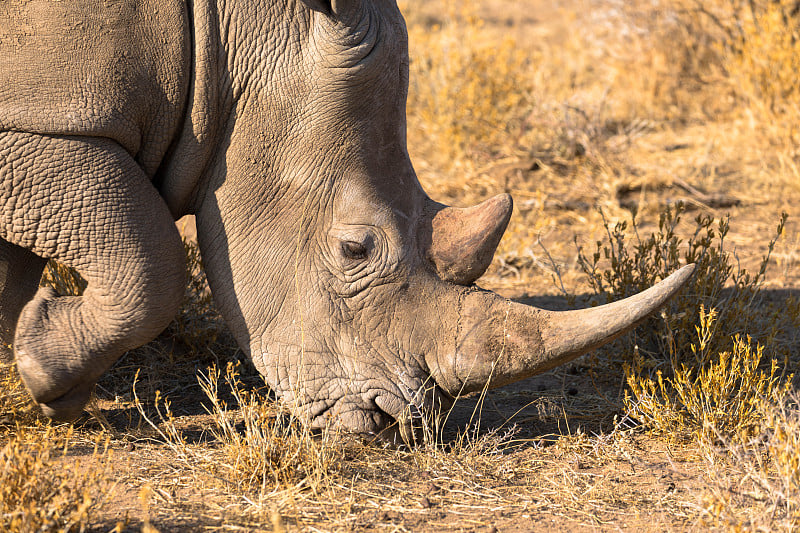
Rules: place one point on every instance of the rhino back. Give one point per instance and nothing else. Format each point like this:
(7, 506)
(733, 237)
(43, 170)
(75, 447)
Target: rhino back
(108, 68)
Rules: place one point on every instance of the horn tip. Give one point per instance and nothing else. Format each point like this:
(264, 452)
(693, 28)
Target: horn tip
(503, 204)
(680, 277)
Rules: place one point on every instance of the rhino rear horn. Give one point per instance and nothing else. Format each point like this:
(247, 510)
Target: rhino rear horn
(463, 241)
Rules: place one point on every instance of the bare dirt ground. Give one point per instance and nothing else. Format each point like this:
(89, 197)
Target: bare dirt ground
(568, 459)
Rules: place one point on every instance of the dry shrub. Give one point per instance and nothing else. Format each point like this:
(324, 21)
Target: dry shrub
(765, 59)
(475, 98)
(488, 113)
(723, 397)
(763, 65)
(44, 487)
(697, 375)
(627, 263)
(662, 55)
(694, 372)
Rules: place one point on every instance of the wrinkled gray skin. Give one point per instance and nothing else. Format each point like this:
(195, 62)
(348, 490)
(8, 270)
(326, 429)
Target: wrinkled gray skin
(281, 125)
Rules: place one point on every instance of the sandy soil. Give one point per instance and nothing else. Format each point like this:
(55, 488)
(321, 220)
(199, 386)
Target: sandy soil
(559, 475)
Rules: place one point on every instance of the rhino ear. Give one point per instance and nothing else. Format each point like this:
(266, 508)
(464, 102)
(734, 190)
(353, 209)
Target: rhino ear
(322, 6)
(334, 8)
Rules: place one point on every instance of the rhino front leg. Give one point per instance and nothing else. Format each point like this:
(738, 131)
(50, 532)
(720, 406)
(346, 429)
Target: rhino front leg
(85, 203)
(20, 273)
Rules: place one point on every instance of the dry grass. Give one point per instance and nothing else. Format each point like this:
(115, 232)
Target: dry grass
(259, 447)
(50, 483)
(622, 106)
(64, 280)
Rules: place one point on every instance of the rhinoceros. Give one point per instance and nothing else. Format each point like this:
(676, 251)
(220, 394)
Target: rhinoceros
(281, 125)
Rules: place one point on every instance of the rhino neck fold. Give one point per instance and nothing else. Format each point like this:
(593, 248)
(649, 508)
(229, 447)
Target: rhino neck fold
(185, 166)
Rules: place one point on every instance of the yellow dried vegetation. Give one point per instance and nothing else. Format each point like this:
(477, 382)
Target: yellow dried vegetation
(65, 280)
(763, 67)
(16, 405)
(722, 397)
(51, 479)
(198, 324)
(689, 59)
(467, 96)
(48, 483)
(259, 447)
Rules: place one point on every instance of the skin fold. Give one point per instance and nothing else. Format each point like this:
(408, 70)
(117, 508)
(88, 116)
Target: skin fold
(281, 126)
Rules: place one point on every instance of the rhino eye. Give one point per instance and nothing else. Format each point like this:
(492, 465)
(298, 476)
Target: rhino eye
(354, 250)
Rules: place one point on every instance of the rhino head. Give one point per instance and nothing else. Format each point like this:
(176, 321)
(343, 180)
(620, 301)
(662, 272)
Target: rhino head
(351, 290)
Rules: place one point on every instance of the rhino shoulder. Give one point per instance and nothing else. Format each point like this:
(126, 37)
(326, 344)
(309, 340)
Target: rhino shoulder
(111, 68)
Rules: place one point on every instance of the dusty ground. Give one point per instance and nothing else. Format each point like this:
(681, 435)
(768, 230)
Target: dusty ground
(554, 472)
(570, 461)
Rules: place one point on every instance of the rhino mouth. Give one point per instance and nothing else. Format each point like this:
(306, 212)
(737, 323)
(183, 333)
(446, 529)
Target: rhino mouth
(389, 417)
(398, 408)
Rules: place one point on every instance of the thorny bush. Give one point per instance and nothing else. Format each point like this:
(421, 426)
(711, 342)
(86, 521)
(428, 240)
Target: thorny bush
(694, 371)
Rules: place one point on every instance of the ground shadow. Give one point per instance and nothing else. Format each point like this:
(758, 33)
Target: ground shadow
(565, 400)
(572, 397)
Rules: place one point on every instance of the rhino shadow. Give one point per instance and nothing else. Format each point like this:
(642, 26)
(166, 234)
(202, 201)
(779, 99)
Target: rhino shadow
(540, 409)
(566, 399)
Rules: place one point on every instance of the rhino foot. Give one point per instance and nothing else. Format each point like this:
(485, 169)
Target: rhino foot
(68, 406)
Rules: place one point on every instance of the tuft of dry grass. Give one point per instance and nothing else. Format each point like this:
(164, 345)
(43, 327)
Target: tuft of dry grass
(259, 446)
(46, 486)
(272, 466)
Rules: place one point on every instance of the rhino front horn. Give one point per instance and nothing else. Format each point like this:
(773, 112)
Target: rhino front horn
(499, 341)
(463, 241)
